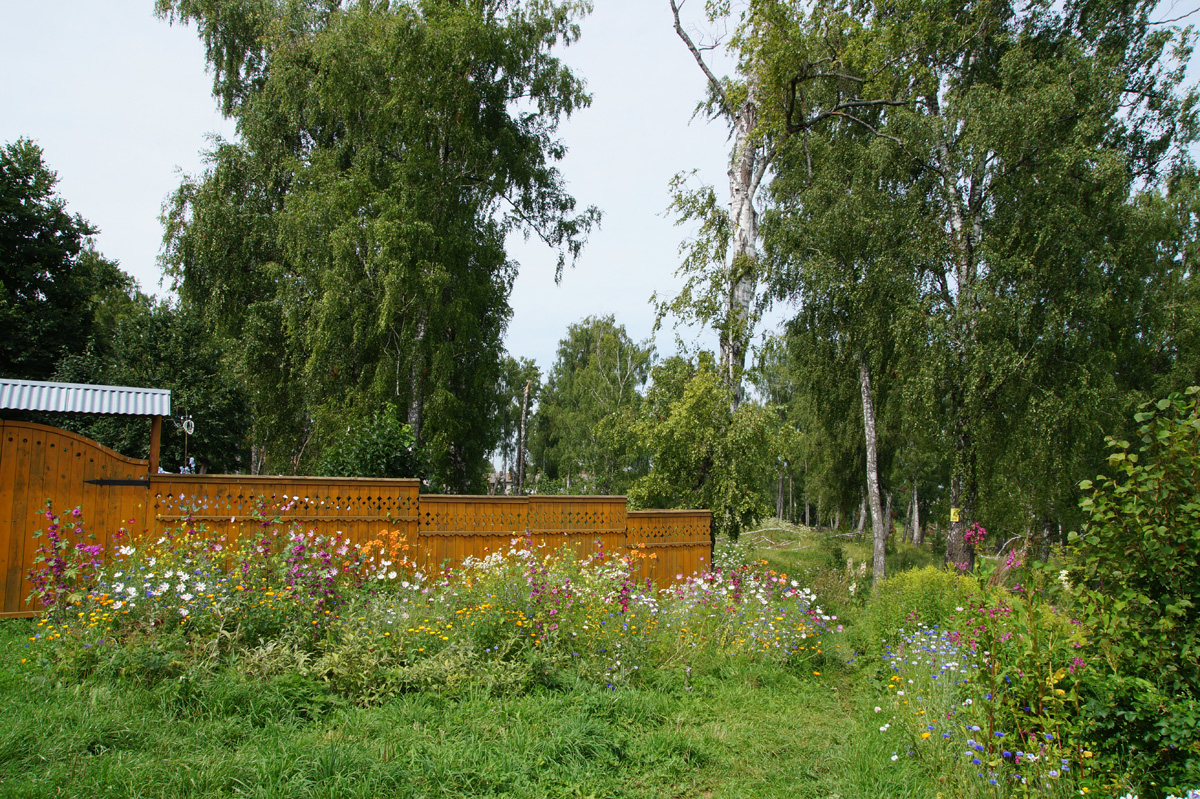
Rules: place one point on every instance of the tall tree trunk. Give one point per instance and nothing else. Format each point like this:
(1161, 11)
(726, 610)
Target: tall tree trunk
(806, 504)
(416, 386)
(880, 524)
(521, 441)
(915, 516)
(747, 166)
(958, 551)
(908, 531)
(861, 522)
(745, 172)
(887, 514)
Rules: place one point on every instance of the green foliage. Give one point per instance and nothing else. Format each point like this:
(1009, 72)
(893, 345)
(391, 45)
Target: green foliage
(702, 454)
(515, 375)
(51, 280)
(350, 247)
(976, 198)
(1138, 547)
(163, 345)
(591, 392)
(927, 596)
(1140, 584)
(380, 446)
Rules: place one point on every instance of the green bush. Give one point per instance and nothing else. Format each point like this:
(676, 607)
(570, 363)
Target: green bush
(1140, 587)
(380, 446)
(928, 596)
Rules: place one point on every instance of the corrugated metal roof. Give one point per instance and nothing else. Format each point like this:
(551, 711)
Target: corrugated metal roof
(37, 395)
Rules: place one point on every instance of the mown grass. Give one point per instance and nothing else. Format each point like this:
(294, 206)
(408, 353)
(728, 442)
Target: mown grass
(739, 730)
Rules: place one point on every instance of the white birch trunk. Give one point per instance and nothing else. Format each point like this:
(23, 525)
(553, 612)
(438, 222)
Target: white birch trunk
(521, 441)
(745, 173)
(747, 166)
(879, 524)
(416, 383)
(915, 517)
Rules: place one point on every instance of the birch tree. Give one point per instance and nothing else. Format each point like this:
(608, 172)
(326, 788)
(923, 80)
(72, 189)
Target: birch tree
(599, 373)
(722, 263)
(350, 245)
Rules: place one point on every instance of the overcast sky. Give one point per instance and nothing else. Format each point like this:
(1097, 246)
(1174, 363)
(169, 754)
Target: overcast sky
(121, 104)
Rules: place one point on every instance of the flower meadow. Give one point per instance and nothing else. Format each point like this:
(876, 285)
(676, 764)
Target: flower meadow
(361, 618)
(984, 684)
(990, 683)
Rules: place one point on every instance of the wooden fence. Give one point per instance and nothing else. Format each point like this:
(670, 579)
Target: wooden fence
(40, 463)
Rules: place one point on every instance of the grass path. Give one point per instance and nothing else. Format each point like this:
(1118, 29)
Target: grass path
(739, 731)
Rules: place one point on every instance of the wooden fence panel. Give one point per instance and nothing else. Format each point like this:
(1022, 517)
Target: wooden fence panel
(670, 544)
(453, 527)
(587, 524)
(232, 505)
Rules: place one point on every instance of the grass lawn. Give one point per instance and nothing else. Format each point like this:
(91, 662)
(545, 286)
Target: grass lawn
(742, 730)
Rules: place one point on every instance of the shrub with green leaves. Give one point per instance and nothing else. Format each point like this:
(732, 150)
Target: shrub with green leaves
(381, 446)
(927, 596)
(1140, 580)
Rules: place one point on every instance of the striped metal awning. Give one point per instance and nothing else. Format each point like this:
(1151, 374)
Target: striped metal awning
(37, 395)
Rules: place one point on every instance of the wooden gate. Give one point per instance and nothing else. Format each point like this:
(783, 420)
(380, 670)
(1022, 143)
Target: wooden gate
(36, 462)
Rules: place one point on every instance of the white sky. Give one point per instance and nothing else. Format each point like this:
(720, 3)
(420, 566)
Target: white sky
(121, 104)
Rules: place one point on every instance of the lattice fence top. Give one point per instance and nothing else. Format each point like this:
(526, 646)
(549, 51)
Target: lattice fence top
(237, 497)
(514, 515)
(662, 527)
(464, 514)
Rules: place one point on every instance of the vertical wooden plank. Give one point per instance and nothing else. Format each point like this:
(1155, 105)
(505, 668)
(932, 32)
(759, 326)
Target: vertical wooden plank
(26, 486)
(95, 509)
(11, 463)
(450, 542)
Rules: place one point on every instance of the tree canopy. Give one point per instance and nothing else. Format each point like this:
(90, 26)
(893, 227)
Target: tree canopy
(595, 383)
(350, 245)
(973, 197)
(52, 280)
